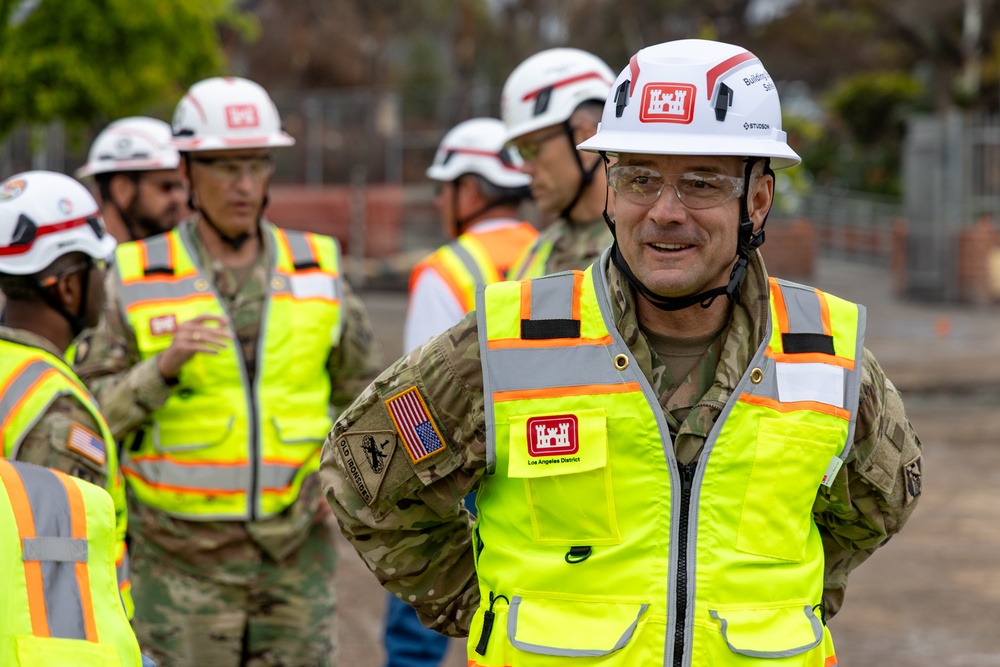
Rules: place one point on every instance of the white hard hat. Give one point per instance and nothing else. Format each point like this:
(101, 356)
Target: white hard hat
(227, 112)
(45, 215)
(546, 89)
(476, 146)
(131, 144)
(694, 97)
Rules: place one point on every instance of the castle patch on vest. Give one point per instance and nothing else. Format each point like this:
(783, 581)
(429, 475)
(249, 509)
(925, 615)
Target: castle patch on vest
(413, 422)
(553, 436)
(163, 324)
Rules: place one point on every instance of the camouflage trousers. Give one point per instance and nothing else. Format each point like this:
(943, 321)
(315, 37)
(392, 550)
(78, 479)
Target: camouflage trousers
(283, 618)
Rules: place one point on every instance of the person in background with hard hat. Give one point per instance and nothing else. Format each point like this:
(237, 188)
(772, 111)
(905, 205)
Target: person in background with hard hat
(481, 190)
(53, 253)
(222, 347)
(135, 165)
(550, 103)
(678, 460)
(59, 603)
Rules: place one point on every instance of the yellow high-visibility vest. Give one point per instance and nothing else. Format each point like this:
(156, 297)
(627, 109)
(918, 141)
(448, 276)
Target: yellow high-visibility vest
(31, 379)
(220, 448)
(60, 603)
(596, 547)
(477, 257)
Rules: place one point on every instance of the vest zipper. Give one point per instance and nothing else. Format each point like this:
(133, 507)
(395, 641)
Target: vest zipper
(687, 478)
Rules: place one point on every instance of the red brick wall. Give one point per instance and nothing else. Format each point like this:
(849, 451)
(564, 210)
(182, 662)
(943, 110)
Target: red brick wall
(789, 249)
(327, 210)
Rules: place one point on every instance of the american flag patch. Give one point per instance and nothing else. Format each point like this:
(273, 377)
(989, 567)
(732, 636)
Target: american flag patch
(418, 431)
(86, 443)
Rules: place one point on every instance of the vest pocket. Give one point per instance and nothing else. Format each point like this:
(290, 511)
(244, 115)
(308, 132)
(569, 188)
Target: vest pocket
(546, 629)
(789, 463)
(301, 430)
(563, 460)
(769, 631)
(33, 651)
(177, 435)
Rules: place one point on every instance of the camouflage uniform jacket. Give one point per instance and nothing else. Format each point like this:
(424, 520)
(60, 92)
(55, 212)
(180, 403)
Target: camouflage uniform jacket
(406, 519)
(575, 245)
(130, 390)
(46, 444)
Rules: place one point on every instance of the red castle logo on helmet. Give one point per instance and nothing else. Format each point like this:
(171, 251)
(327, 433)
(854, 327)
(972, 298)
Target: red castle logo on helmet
(241, 115)
(667, 103)
(551, 436)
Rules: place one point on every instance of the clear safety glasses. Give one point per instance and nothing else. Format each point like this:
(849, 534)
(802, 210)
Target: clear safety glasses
(694, 189)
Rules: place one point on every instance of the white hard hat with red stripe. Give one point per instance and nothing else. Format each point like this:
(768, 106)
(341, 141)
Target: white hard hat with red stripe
(476, 146)
(694, 97)
(546, 89)
(131, 144)
(45, 215)
(224, 113)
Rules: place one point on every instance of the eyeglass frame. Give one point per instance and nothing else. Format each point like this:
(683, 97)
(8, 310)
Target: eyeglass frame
(738, 184)
(535, 146)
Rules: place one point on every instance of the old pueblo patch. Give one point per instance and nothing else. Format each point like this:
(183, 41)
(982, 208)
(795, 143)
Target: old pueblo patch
(415, 426)
(87, 444)
(366, 457)
(559, 444)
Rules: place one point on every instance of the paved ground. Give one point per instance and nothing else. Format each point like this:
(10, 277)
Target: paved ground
(930, 597)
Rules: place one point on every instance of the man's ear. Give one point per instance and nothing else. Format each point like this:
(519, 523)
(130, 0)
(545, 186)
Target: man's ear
(69, 290)
(760, 199)
(123, 190)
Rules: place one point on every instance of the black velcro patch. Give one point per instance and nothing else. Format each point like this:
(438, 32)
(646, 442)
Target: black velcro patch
(544, 329)
(305, 266)
(158, 271)
(804, 343)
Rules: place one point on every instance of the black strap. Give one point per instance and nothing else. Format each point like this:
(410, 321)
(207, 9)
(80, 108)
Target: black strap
(547, 329)
(806, 343)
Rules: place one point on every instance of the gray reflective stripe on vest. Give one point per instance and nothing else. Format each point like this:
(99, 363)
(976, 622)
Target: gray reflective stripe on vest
(817, 628)
(56, 549)
(803, 307)
(204, 478)
(515, 604)
(13, 394)
(158, 290)
(302, 254)
(157, 253)
(468, 262)
(277, 476)
(51, 512)
(552, 297)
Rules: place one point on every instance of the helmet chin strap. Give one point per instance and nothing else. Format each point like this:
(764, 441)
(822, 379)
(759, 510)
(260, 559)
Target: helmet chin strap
(746, 243)
(586, 175)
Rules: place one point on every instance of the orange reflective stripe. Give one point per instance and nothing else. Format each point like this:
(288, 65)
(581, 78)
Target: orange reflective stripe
(27, 394)
(283, 247)
(520, 343)
(577, 287)
(525, 300)
(831, 661)
(824, 311)
(78, 521)
(779, 306)
(445, 274)
(25, 520)
(792, 406)
(557, 392)
(156, 458)
(190, 298)
(810, 357)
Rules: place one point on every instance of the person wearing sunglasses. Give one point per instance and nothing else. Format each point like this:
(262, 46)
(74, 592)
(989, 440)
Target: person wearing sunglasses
(224, 347)
(550, 103)
(135, 166)
(678, 459)
(53, 255)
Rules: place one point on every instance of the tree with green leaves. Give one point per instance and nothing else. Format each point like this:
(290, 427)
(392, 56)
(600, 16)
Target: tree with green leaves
(91, 62)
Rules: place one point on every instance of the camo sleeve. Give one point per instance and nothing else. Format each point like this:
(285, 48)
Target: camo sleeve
(876, 490)
(397, 466)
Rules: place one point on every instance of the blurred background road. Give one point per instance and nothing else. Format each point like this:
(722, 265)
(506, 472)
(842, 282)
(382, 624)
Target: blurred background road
(929, 597)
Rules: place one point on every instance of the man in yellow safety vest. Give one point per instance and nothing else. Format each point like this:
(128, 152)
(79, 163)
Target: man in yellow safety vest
(678, 460)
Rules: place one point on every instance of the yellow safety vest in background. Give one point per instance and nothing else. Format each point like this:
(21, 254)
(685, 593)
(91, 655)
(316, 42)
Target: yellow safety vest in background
(531, 263)
(60, 602)
(595, 547)
(31, 379)
(220, 448)
(477, 257)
